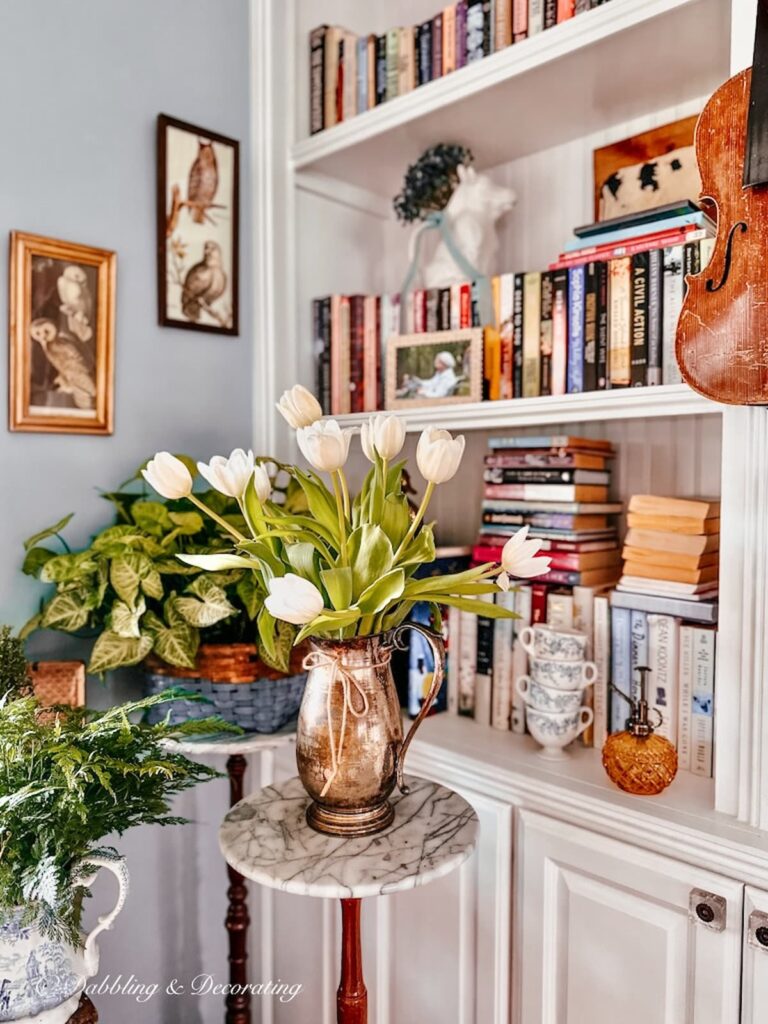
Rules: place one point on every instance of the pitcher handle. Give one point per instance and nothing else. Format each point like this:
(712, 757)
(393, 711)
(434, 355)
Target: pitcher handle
(435, 641)
(86, 877)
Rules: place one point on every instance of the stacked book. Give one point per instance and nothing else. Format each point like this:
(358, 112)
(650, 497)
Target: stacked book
(349, 74)
(603, 316)
(662, 615)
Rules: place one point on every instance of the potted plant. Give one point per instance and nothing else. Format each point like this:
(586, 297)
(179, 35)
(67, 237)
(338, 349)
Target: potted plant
(129, 592)
(68, 778)
(343, 577)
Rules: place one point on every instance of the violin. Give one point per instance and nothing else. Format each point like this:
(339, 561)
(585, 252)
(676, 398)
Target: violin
(722, 334)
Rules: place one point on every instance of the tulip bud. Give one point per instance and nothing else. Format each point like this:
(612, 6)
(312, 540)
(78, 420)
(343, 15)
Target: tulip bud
(299, 407)
(262, 483)
(438, 455)
(293, 599)
(517, 557)
(229, 476)
(168, 475)
(382, 434)
(324, 445)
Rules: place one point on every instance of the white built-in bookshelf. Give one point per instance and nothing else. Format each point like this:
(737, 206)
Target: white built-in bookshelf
(533, 115)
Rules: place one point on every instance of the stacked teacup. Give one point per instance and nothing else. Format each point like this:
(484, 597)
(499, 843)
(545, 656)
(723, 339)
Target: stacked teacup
(554, 688)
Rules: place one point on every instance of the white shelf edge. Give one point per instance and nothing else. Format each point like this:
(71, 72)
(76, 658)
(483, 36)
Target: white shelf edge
(585, 29)
(624, 404)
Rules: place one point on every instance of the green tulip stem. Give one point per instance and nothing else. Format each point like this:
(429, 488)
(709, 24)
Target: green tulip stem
(215, 516)
(416, 521)
(342, 519)
(344, 493)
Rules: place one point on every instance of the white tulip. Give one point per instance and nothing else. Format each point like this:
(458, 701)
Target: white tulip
(262, 483)
(324, 445)
(299, 407)
(293, 599)
(438, 455)
(168, 475)
(229, 476)
(518, 558)
(382, 434)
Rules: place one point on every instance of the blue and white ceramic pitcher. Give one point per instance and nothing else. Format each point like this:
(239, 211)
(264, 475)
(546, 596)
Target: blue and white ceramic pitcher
(41, 980)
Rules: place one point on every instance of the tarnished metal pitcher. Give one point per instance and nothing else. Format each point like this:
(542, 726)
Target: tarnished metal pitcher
(349, 744)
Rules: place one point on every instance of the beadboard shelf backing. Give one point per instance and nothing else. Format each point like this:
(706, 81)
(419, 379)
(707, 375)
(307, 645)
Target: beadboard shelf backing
(567, 82)
(623, 404)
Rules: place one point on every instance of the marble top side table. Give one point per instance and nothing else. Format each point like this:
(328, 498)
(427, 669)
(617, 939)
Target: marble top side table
(266, 838)
(235, 749)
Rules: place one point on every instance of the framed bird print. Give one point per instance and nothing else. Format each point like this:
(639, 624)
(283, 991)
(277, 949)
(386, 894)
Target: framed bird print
(62, 336)
(197, 227)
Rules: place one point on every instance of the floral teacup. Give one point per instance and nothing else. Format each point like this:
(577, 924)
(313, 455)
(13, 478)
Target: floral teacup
(547, 698)
(542, 641)
(554, 730)
(563, 675)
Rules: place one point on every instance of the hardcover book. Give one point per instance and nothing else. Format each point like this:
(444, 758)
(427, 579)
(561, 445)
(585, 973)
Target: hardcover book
(575, 378)
(639, 351)
(619, 327)
(517, 337)
(672, 301)
(655, 315)
(531, 339)
(316, 79)
(545, 332)
(449, 39)
(559, 331)
(663, 632)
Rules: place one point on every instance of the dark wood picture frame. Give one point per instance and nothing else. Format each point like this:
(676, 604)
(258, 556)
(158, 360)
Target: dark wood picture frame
(72, 371)
(171, 207)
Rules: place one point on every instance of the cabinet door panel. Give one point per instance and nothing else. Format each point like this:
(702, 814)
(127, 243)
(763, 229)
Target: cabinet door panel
(602, 933)
(755, 971)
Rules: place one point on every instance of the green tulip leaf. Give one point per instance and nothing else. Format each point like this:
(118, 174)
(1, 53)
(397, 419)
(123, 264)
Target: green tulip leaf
(50, 531)
(301, 557)
(112, 651)
(267, 627)
(395, 518)
(370, 554)
(328, 622)
(338, 584)
(322, 505)
(383, 592)
(485, 609)
(421, 550)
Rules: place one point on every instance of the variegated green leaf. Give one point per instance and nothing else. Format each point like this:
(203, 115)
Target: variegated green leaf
(112, 651)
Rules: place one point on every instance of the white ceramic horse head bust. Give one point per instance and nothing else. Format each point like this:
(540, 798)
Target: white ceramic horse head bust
(475, 206)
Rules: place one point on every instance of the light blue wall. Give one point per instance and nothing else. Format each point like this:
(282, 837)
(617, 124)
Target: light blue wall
(81, 84)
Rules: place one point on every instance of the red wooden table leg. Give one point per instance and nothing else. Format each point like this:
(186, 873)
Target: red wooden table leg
(352, 997)
(237, 921)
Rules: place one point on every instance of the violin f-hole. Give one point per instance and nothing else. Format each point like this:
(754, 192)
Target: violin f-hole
(711, 286)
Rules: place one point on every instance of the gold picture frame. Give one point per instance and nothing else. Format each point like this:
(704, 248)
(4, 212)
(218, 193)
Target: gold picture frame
(61, 336)
(439, 368)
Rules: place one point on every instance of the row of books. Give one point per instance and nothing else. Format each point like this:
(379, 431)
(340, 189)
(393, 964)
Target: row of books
(587, 327)
(349, 74)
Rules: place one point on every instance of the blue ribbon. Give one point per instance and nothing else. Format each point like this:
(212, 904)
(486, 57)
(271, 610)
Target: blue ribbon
(481, 282)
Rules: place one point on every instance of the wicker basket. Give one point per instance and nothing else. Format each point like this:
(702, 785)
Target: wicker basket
(58, 682)
(237, 685)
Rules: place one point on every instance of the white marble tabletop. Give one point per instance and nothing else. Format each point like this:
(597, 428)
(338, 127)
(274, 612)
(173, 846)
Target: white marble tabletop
(229, 743)
(266, 838)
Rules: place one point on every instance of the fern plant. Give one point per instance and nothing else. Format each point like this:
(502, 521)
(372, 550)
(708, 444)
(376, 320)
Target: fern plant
(67, 780)
(14, 670)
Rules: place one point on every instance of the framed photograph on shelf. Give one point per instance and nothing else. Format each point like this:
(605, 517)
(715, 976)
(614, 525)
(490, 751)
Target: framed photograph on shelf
(443, 368)
(197, 227)
(646, 170)
(62, 336)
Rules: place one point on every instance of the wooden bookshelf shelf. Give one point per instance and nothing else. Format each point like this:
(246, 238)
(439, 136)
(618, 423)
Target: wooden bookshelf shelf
(624, 404)
(561, 84)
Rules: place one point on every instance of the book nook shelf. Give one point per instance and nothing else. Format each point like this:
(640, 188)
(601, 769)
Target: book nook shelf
(532, 114)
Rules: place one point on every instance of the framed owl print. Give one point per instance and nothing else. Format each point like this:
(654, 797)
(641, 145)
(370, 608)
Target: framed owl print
(62, 336)
(197, 227)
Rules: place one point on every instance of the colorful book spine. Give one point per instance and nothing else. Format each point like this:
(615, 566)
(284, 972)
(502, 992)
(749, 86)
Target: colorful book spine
(453, 655)
(331, 76)
(602, 326)
(519, 22)
(559, 331)
(393, 62)
(524, 609)
(638, 628)
(449, 39)
(437, 45)
(590, 326)
(672, 301)
(550, 13)
(349, 72)
(531, 341)
(602, 657)
(565, 10)
(702, 701)
(467, 662)
(406, 64)
(619, 326)
(381, 69)
(484, 666)
(475, 30)
(639, 350)
(461, 33)
(506, 332)
(621, 667)
(316, 76)
(362, 74)
(655, 315)
(535, 17)
(503, 638)
(685, 676)
(371, 63)
(663, 633)
(356, 351)
(575, 375)
(517, 337)
(425, 52)
(545, 332)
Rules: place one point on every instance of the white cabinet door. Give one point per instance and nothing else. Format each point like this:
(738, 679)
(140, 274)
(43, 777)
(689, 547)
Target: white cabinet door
(754, 998)
(603, 933)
